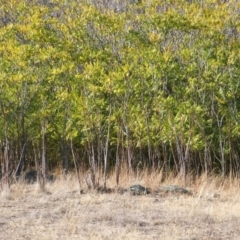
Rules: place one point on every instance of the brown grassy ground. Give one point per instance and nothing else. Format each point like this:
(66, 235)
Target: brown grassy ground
(61, 213)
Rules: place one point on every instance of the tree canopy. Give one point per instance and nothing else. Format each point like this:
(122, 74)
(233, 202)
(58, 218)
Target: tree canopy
(147, 84)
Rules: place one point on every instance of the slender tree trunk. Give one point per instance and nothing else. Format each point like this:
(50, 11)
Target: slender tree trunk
(117, 166)
(21, 162)
(43, 173)
(65, 146)
(65, 150)
(174, 158)
(150, 158)
(5, 148)
(92, 165)
(36, 160)
(181, 158)
(106, 160)
(77, 170)
(129, 157)
(5, 166)
(106, 148)
(221, 145)
(22, 159)
(99, 165)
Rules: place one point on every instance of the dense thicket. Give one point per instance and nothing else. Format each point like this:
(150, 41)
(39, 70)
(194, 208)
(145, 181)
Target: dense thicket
(99, 84)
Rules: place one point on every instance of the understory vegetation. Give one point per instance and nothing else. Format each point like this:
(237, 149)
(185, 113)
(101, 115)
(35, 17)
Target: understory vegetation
(101, 86)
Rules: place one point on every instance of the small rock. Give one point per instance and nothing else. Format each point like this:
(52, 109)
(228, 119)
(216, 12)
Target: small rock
(139, 190)
(174, 189)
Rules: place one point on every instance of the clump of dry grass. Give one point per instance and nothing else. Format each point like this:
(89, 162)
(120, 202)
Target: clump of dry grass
(212, 212)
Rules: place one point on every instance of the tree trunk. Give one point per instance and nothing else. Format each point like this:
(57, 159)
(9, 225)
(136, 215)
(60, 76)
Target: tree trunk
(36, 160)
(117, 166)
(5, 165)
(65, 150)
(76, 165)
(22, 159)
(106, 149)
(129, 157)
(43, 173)
(92, 165)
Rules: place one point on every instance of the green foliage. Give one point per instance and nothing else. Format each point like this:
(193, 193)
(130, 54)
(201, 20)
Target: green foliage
(150, 76)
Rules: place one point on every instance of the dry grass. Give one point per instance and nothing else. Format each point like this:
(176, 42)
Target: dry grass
(213, 212)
